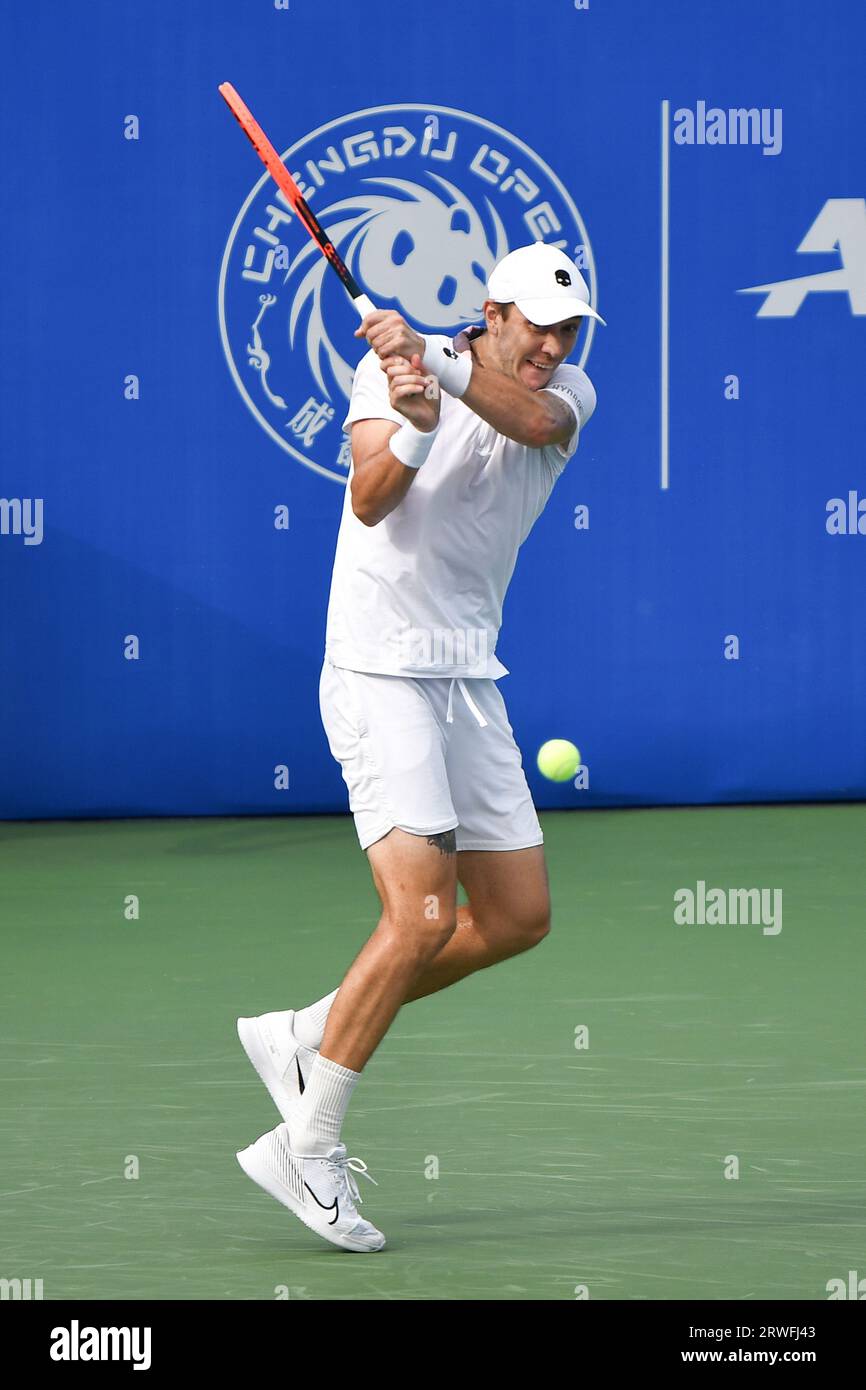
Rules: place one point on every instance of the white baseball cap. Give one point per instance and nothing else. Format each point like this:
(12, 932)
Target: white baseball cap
(544, 284)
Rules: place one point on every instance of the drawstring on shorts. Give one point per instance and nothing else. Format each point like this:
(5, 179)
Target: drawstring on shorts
(449, 717)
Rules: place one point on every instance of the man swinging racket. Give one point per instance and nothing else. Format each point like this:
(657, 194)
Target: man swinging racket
(444, 488)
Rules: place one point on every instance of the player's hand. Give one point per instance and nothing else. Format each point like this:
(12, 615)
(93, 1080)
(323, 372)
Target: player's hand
(390, 335)
(413, 391)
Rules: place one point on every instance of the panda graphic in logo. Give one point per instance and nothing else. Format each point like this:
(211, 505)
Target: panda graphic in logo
(421, 202)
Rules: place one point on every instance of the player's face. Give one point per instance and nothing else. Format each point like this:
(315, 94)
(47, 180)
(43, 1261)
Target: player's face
(531, 352)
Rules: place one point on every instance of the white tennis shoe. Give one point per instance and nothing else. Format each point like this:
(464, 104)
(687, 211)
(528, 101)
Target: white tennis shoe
(281, 1061)
(320, 1190)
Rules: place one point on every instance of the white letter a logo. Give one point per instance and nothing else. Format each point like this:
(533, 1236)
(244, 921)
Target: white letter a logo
(841, 224)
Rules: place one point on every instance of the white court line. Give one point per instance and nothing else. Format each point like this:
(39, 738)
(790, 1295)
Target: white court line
(665, 292)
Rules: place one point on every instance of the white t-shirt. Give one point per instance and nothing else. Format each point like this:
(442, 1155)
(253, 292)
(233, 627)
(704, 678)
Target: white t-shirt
(421, 593)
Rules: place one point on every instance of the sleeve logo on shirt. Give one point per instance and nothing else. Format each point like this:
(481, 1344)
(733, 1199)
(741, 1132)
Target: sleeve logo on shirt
(578, 406)
(449, 353)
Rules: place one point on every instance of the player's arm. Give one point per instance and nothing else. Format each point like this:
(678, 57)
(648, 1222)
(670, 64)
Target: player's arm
(533, 418)
(380, 480)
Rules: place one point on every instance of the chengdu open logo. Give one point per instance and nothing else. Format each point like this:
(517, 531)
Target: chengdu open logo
(421, 202)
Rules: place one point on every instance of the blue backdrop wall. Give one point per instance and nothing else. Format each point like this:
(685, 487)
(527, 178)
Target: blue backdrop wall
(174, 370)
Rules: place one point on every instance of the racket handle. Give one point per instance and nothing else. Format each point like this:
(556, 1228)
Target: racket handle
(364, 305)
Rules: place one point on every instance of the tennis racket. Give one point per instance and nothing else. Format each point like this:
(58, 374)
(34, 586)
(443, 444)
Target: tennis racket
(281, 176)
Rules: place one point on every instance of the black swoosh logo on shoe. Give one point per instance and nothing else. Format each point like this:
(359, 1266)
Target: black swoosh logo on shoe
(300, 1075)
(334, 1207)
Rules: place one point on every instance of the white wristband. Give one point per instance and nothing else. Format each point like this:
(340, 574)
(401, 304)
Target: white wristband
(412, 446)
(452, 368)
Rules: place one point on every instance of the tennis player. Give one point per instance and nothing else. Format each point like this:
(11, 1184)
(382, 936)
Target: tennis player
(456, 446)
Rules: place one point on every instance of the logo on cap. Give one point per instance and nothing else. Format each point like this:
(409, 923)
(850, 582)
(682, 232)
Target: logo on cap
(563, 277)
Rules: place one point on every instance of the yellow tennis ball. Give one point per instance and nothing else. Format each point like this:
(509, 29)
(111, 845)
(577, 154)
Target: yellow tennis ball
(558, 760)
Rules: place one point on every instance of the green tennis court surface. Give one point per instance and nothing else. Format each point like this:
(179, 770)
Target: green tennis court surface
(602, 1167)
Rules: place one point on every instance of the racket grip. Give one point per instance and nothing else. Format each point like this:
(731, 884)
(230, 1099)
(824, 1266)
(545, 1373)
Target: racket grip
(364, 305)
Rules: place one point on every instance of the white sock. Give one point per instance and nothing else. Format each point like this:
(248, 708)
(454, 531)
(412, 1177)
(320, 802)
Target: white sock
(309, 1024)
(323, 1107)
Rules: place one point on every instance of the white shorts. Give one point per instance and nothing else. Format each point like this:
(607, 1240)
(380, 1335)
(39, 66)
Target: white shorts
(428, 755)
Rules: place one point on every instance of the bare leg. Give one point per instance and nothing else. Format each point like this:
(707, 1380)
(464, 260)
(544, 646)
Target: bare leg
(417, 882)
(508, 912)
(407, 959)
